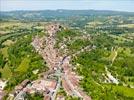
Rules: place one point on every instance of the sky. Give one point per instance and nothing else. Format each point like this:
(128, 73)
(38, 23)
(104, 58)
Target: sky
(116, 5)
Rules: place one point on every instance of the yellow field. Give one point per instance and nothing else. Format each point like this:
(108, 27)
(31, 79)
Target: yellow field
(8, 42)
(113, 55)
(129, 92)
(6, 72)
(4, 52)
(127, 25)
(24, 65)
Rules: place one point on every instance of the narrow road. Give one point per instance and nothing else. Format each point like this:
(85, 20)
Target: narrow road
(58, 73)
(53, 97)
(20, 96)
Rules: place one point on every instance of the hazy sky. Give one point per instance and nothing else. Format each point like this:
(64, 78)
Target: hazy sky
(119, 5)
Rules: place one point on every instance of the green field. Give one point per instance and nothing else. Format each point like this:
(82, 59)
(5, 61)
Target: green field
(8, 42)
(18, 58)
(6, 72)
(5, 52)
(128, 92)
(113, 55)
(24, 65)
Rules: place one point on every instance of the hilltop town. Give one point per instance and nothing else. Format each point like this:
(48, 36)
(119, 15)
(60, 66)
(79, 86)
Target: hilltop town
(83, 57)
(60, 73)
(59, 65)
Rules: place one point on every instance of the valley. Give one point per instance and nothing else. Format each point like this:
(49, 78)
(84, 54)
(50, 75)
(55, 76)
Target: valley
(67, 57)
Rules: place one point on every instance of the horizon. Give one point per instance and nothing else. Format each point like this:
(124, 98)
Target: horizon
(40, 5)
(68, 10)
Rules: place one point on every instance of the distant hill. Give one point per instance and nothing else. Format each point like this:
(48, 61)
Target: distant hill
(52, 14)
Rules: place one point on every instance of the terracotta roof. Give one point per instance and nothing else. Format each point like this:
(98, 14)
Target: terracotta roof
(43, 84)
(66, 87)
(47, 97)
(1, 94)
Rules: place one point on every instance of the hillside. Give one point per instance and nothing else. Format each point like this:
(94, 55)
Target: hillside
(71, 54)
(45, 15)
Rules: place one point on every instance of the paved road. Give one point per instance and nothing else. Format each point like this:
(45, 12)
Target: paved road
(56, 90)
(58, 73)
(20, 96)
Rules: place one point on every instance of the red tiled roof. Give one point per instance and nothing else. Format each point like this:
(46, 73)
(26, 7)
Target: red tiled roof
(1, 94)
(74, 80)
(66, 87)
(52, 84)
(47, 97)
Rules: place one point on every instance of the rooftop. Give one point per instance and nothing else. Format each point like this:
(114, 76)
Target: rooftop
(43, 84)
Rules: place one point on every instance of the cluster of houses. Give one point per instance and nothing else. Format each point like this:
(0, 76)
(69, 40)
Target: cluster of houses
(45, 45)
(43, 86)
(70, 81)
(53, 28)
(49, 86)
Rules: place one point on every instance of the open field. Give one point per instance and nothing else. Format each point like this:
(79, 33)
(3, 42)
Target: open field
(6, 72)
(129, 92)
(4, 52)
(8, 43)
(127, 25)
(113, 55)
(22, 68)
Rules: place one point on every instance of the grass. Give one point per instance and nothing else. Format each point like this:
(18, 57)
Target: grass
(78, 44)
(24, 65)
(39, 27)
(4, 32)
(6, 27)
(9, 24)
(6, 72)
(129, 92)
(127, 51)
(127, 25)
(120, 49)
(129, 78)
(113, 55)
(119, 39)
(94, 23)
(126, 91)
(2, 38)
(8, 42)
(4, 52)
